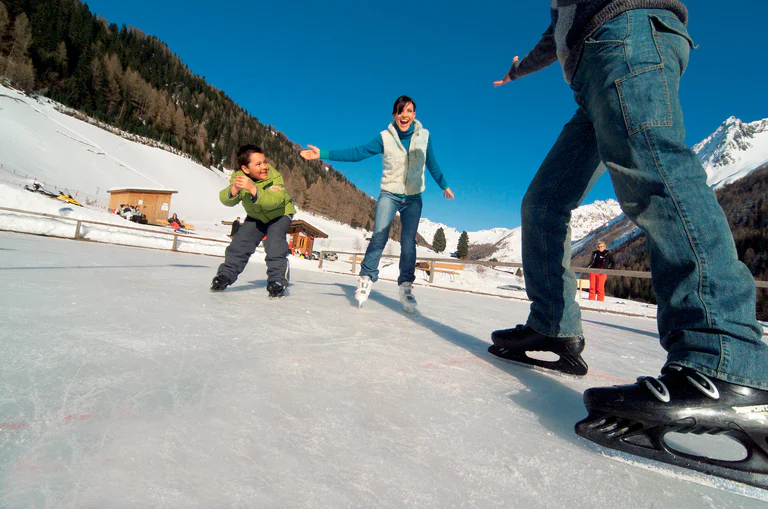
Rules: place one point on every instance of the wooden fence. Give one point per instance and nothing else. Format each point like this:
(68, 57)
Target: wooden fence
(432, 261)
(79, 222)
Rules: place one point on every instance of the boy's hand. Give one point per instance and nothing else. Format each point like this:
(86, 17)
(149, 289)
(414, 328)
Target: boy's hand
(243, 182)
(506, 79)
(311, 154)
(448, 194)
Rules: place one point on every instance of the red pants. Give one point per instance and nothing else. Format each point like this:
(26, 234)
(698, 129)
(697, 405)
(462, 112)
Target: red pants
(597, 284)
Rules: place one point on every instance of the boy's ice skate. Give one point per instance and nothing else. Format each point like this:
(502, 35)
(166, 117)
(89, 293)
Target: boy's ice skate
(276, 290)
(512, 345)
(635, 419)
(219, 284)
(407, 299)
(363, 291)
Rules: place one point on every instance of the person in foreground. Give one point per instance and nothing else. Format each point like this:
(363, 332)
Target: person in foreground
(269, 210)
(624, 62)
(406, 149)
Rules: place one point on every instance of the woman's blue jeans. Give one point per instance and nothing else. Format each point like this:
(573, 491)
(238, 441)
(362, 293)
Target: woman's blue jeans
(410, 213)
(630, 120)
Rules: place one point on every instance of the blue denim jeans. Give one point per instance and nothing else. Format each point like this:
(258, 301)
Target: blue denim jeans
(410, 213)
(630, 120)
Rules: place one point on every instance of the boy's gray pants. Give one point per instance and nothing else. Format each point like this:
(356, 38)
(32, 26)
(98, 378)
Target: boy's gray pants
(245, 241)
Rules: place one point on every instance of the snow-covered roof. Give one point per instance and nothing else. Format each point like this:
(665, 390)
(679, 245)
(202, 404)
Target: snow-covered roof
(140, 190)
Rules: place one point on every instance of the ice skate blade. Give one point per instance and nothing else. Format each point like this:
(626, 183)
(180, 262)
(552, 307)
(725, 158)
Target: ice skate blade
(567, 367)
(609, 436)
(675, 472)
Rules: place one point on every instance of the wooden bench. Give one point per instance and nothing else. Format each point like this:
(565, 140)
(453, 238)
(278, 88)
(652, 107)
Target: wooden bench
(452, 269)
(357, 259)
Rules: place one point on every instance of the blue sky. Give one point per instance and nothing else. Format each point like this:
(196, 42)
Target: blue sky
(327, 73)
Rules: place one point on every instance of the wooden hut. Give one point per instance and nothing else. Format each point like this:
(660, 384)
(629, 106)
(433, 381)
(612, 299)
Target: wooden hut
(303, 236)
(155, 203)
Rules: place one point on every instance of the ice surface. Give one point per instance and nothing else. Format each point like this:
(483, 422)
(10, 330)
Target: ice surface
(127, 384)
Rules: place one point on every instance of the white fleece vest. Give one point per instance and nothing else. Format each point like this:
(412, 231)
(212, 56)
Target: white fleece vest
(404, 172)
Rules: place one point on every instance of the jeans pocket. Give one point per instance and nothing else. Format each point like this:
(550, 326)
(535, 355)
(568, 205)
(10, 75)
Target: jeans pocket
(670, 35)
(644, 99)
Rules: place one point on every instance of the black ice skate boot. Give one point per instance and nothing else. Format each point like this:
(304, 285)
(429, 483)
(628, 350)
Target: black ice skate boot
(512, 345)
(219, 284)
(275, 289)
(635, 419)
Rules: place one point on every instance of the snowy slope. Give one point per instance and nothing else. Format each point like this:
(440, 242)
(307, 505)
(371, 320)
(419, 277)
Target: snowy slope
(39, 143)
(734, 150)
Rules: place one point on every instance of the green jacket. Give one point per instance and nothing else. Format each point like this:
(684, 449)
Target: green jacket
(272, 201)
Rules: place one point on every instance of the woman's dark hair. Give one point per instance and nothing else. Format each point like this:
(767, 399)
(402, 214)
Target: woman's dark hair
(401, 103)
(244, 154)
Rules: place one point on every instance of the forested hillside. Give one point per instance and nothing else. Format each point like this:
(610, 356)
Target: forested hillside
(123, 77)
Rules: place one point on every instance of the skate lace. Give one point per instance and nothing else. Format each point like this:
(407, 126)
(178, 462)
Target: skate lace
(699, 381)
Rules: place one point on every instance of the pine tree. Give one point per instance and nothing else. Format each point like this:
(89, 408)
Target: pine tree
(462, 250)
(439, 242)
(4, 20)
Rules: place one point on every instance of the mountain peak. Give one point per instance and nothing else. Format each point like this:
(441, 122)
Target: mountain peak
(734, 150)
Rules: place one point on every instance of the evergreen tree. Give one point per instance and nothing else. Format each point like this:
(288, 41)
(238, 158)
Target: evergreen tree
(462, 250)
(439, 242)
(4, 20)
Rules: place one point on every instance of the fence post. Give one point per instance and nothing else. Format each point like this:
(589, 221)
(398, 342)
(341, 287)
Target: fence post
(431, 272)
(77, 231)
(322, 256)
(354, 263)
(175, 242)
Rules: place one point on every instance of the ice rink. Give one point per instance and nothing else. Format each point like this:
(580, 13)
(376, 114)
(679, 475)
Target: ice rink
(125, 383)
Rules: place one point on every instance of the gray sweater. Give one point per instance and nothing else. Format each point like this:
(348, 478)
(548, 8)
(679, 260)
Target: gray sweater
(575, 20)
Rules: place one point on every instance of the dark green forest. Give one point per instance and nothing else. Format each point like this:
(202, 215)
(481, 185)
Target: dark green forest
(745, 203)
(126, 78)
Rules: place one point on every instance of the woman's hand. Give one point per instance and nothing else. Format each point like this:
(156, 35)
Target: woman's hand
(311, 154)
(448, 194)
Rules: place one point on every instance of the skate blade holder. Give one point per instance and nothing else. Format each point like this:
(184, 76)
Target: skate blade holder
(718, 457)
(679, 473)
(563, 365)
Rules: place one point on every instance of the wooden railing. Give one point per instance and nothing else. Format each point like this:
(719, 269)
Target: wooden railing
(79, 222)
(432, 261)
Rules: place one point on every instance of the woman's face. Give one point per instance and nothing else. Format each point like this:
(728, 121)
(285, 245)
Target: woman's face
(404, 119)
(601, 247)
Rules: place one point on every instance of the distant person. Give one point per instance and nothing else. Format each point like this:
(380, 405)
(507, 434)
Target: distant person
(406, 149)
(175, 222)
(601, 259)
(137, 216)
(624, 65)
(269, 208)
(235, 227)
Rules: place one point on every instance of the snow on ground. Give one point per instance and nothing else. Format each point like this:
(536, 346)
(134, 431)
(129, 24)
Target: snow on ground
(126, 383)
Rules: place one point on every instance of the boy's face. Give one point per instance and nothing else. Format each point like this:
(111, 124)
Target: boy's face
(257, 167)
(404, 119)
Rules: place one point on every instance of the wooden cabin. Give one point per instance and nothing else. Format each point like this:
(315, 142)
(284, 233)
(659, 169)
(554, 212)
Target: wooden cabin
(303, 236)
(155, 203)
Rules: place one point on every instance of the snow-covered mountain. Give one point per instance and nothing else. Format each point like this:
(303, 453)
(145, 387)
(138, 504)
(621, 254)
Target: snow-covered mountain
(508, 241)
(734, 150)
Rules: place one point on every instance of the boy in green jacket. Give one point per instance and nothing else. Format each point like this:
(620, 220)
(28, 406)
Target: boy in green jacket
(269, 208)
